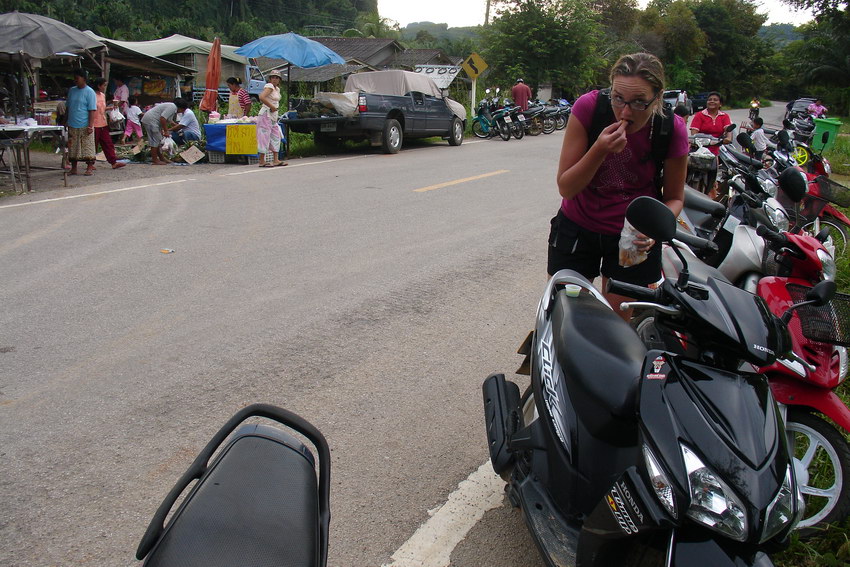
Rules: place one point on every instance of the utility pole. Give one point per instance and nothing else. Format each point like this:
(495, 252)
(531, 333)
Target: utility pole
(487, 14)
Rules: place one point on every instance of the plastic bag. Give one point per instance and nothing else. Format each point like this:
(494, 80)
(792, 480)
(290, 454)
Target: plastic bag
(629, 254)
(115, 115)
(168, 147)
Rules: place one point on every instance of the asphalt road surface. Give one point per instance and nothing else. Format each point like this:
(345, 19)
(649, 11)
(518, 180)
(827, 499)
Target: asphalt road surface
(369, 293)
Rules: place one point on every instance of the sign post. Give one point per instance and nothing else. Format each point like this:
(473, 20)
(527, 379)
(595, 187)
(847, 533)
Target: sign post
(474, 66)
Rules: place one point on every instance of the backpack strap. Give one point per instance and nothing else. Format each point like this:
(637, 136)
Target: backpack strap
(603, 115)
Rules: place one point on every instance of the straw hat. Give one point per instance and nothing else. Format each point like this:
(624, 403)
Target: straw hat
(274, 73)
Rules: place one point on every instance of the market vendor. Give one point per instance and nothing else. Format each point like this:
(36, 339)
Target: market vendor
(155, 124)
(121, 96)
(82, 108)
(239, 103)
(187, 127)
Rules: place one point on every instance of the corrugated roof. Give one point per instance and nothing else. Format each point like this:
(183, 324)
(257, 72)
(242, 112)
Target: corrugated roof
(413, 57)
(360, 48)
(325, 73)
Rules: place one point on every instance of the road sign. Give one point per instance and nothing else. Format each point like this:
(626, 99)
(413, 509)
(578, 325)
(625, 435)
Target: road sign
(474, 66)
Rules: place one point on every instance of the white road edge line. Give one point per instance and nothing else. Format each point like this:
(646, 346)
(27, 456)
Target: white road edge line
(434, 541)
(267, 169)
(93, 194)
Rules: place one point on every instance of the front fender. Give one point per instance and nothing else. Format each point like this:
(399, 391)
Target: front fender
(793, 392)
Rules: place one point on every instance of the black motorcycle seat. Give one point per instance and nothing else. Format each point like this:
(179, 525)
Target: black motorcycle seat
(699, 201)
(601, 357)
(256, 506)
(745, 159)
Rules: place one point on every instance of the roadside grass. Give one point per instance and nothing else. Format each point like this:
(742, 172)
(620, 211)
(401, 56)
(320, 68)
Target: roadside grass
(839, 154)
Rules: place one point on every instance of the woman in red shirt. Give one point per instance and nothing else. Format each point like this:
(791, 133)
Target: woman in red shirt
(712, 121)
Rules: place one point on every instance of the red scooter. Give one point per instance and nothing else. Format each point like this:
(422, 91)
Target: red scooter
(806, 385)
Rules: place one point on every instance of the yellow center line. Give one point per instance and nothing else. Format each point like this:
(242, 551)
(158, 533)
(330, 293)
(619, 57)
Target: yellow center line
(456, 181)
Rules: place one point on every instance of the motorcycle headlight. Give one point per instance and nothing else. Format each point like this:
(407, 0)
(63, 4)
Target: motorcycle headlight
(826, 167)
(781, 511)
(769, 186)
(713, 504)
(828, 264)
(660, 484)
(777, 216)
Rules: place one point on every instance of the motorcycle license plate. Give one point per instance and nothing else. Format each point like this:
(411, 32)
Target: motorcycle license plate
(521, 117)
(328, 127)
(508, 119)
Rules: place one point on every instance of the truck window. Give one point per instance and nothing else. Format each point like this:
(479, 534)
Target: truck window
(418, 99)
(256, 75)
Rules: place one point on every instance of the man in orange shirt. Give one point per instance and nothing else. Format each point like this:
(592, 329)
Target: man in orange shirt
(521, 94)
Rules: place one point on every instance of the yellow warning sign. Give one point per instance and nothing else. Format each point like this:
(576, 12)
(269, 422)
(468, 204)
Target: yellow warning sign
(474, 66)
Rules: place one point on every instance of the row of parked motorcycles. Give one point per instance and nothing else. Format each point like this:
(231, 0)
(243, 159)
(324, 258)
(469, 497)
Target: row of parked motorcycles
(498, 117)
(701, 434)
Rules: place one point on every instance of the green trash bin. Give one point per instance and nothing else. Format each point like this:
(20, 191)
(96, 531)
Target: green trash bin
(825, 125)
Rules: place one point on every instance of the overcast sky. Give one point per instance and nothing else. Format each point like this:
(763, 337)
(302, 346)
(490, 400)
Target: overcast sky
(459, 13)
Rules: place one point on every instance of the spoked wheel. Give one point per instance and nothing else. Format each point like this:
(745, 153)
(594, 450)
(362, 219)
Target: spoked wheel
(560, 122)
(548, 125)
(504, 130)
(822, 465)
(800, 155)
(838, 233)
(534, 126)
(479, 130)
(518, 130)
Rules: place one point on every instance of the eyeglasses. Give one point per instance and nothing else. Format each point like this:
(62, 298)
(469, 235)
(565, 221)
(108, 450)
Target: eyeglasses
(639, 105)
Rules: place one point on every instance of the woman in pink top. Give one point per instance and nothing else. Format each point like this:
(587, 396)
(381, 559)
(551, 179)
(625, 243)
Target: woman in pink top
(817, 109)
(101, 126)
(712, 121)
(597, 183)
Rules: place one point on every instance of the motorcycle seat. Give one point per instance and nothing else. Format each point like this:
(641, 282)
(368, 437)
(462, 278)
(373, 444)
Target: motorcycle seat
(745, 159)
(601, 357)
(256, 505)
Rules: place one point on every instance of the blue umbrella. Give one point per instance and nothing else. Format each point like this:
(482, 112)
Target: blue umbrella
(296, 49)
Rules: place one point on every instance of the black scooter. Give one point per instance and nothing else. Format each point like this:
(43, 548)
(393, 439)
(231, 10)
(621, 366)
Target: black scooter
(257, 501)
(622, 456)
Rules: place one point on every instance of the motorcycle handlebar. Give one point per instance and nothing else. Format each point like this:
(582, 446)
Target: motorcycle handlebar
(772, 236)
(695, 241)
(638, 292)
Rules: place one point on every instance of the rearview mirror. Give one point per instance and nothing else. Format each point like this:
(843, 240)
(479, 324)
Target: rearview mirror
(730, 128)
(822, 293)
(793, 183)
(746, 142)
(825, 138)
(653, 218)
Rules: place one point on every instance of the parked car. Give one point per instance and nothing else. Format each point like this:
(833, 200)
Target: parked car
(797, 108)
(384, 107)
(675, 97)
(699, 101)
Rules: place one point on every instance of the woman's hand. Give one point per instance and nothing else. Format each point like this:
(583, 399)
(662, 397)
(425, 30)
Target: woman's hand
(613, 138)
(643, 243)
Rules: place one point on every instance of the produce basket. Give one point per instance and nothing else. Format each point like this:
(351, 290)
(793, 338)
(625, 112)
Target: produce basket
(215, 157)
(702, 162)
(829, 323)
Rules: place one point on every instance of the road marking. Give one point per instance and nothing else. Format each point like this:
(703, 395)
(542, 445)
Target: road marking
(267, 169)
(434, 541)
(98, 193)
(456, 181)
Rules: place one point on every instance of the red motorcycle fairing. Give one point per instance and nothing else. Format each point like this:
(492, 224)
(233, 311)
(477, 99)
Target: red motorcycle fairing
(793, 392)
(822, 356)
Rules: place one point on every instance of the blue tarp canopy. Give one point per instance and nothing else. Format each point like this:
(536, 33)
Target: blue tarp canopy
(296, 49)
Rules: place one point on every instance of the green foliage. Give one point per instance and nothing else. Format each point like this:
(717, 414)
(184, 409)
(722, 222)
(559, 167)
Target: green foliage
(549, 41)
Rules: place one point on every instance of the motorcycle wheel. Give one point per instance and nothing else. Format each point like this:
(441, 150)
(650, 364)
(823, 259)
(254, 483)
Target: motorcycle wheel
(504, 130)
(548, 125)
(517, 130)
(561, 122)
(838, 232)
(534, 126)
(800, 155)
(822, 465)
(478, 129)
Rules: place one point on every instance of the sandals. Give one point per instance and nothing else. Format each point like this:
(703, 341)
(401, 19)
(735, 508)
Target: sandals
(265, 165)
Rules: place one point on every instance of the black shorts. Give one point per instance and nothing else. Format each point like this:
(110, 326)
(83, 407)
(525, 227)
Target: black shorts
(589, 253)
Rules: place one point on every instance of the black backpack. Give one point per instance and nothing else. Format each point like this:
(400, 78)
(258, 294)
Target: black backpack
(662, 132)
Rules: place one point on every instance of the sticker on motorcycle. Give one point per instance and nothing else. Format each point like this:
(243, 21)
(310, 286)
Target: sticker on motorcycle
(618, 509)
(657, 365)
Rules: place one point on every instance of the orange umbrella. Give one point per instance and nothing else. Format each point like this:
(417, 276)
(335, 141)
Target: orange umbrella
(210, 100)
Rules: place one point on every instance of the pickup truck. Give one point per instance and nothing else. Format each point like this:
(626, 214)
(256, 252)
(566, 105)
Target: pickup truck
(384, 107)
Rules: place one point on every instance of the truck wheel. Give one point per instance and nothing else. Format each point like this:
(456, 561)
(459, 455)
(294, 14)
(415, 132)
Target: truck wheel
(456, 132)
(392, 137)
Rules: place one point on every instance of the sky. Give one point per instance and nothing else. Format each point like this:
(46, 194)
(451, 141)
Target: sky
(460, 13)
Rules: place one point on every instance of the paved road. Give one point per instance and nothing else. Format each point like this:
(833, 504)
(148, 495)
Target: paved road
(370, 293)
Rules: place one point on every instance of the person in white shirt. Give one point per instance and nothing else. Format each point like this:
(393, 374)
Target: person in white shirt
(134, 120)
(187, 128)
(760, 140)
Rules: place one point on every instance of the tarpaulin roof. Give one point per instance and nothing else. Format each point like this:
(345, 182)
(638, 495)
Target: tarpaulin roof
(177, 44)
(392, 82)
(41, 37)
(122, 55)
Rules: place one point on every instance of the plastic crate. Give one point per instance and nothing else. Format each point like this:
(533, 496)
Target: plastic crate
(215, 157)
(829, 323)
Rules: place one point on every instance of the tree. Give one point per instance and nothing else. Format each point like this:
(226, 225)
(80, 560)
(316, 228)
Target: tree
(543, 41)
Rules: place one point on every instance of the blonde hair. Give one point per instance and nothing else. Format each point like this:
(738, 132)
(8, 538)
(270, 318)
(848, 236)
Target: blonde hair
(645, 66)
